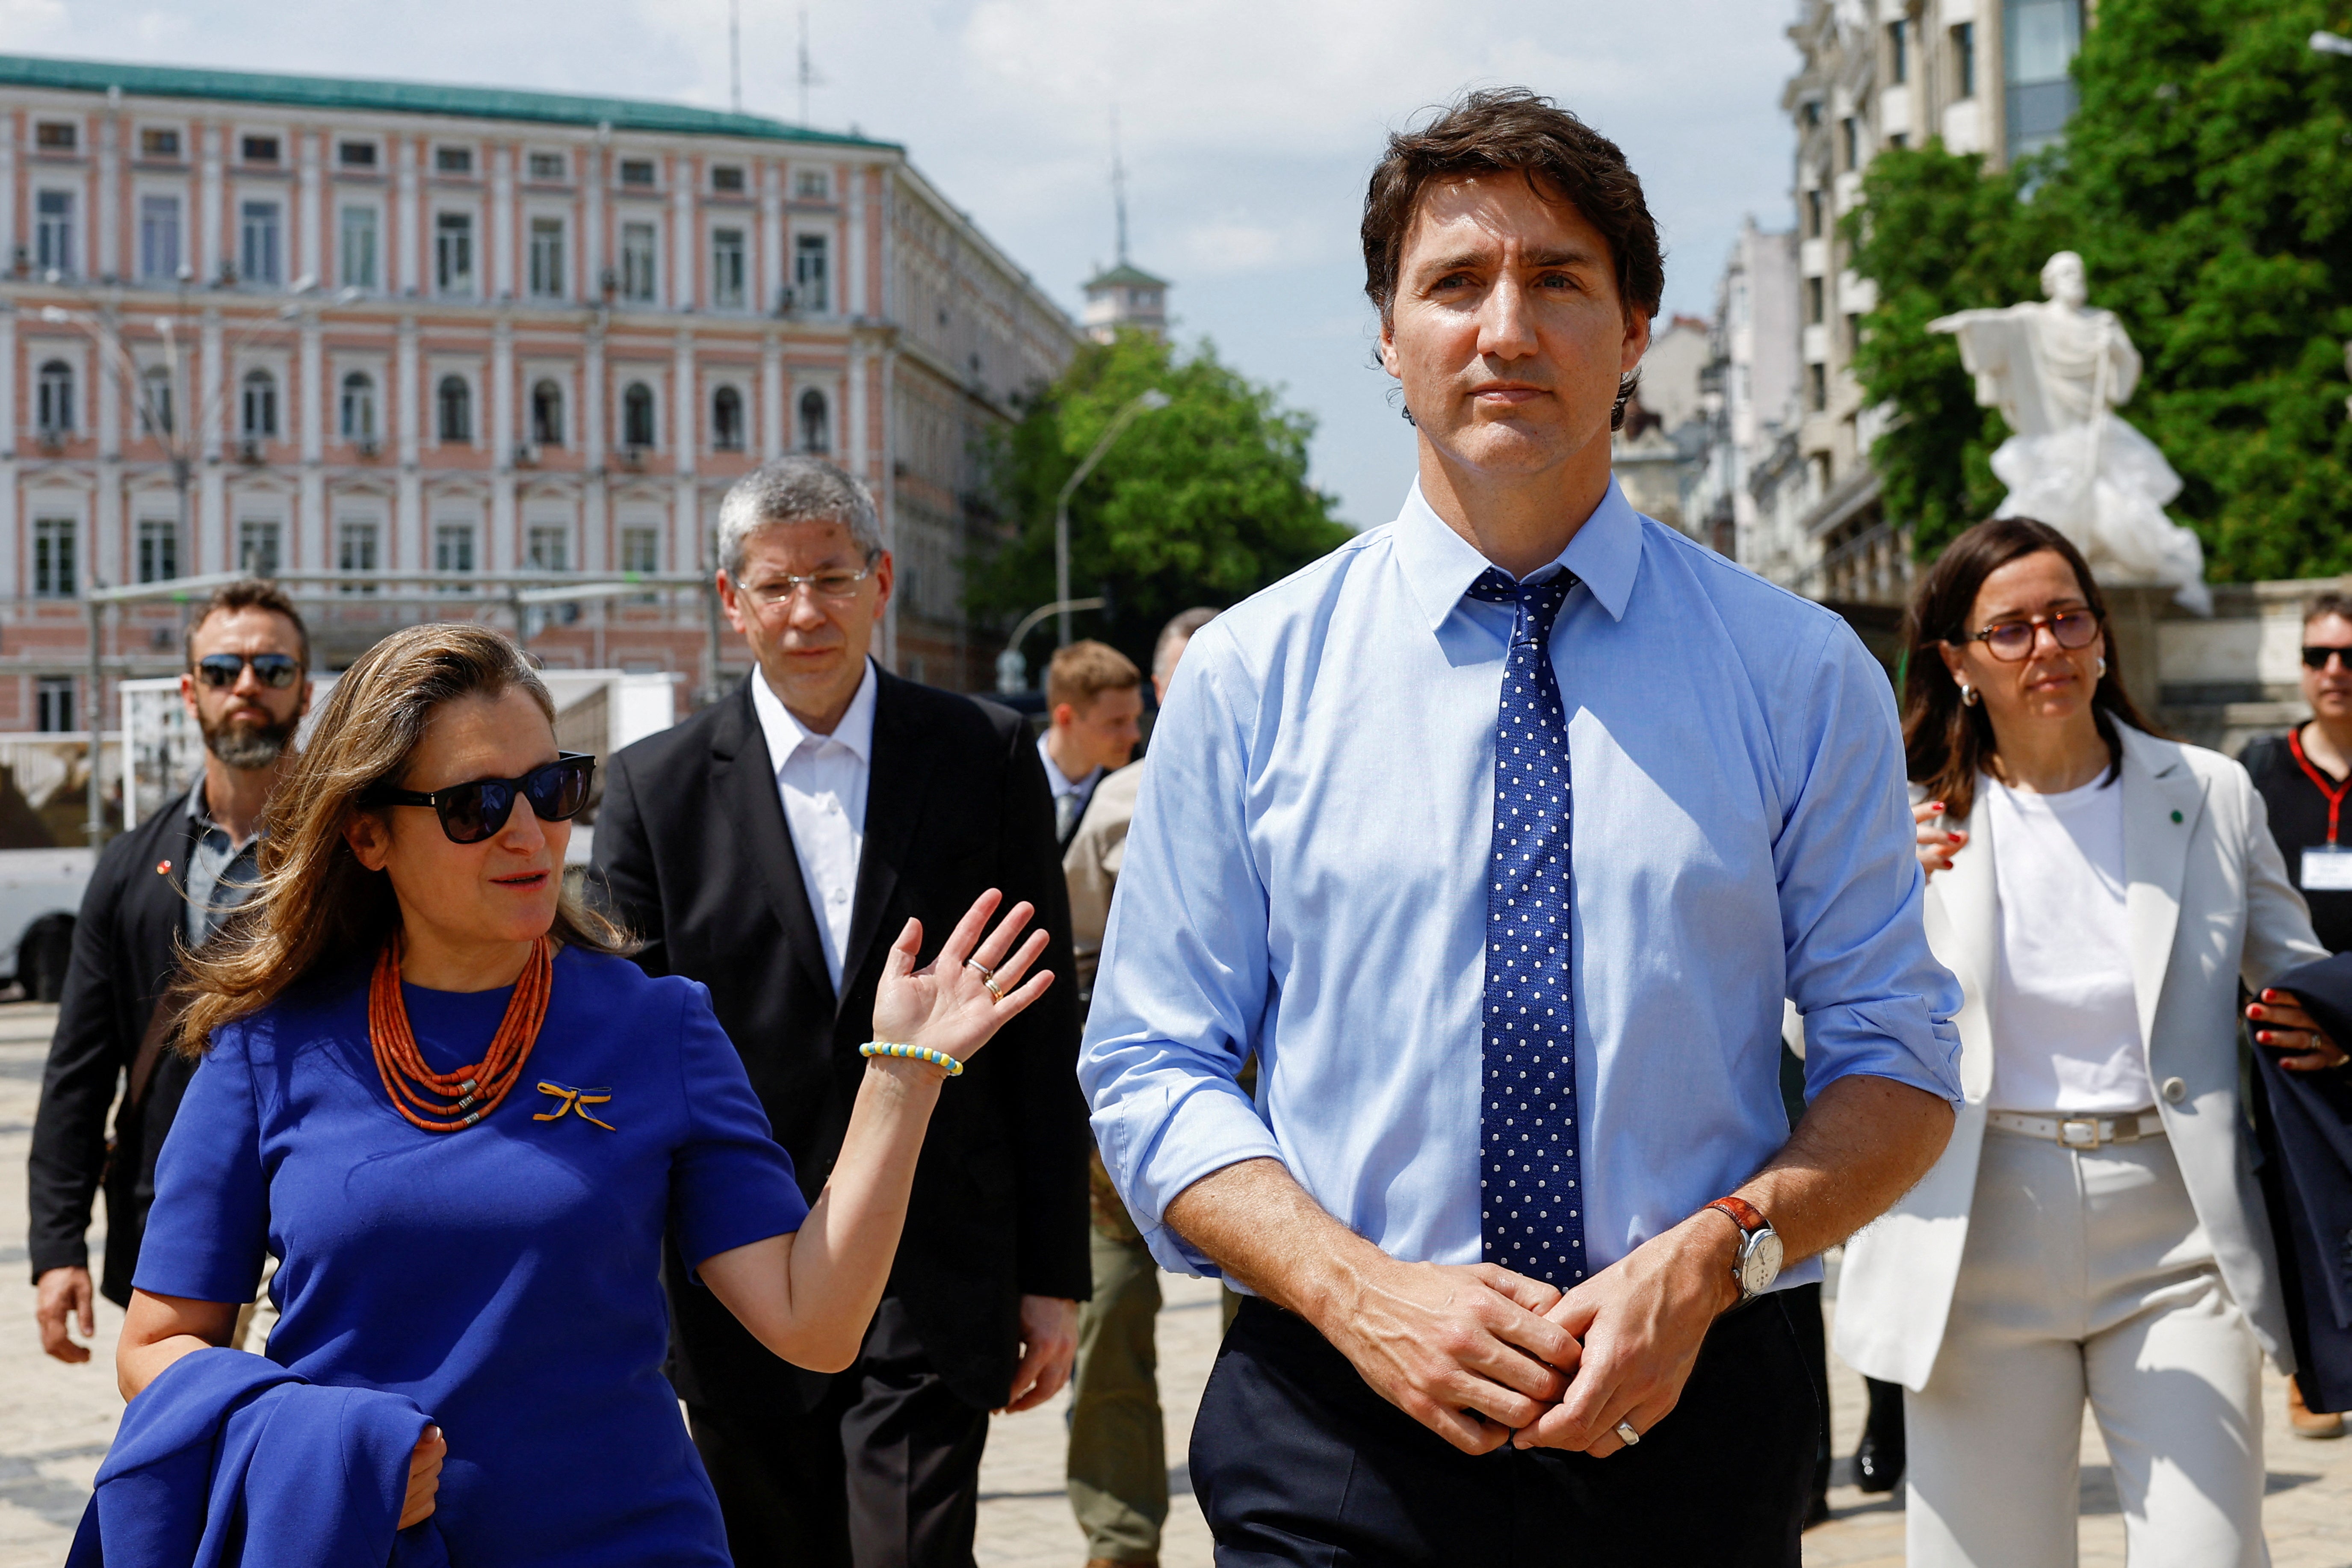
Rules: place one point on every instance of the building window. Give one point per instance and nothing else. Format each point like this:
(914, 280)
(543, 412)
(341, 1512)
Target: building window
(727, 420)
(812, 185)
(359, 407)
(355, 154)
(159, 142)
(547, 257)
(812, 290)
(1817, 378)
(453, 159)
(159, 550)
(56, 546)
(159, 238)
(1898, 141)
(1813, 204)
(261, 405)
(640, 549)
(549, 166)
(453, 252)
(454, 400)
(1898, 51)
(453, 547)
(259, 149)
(638, 261)
(637, 172)
(56, 136)
(1849, 135)
(2039, 38)
(637, 415)
(1964, 61)
(359, 234)
(155, 408)
(547, 413)
(258, 252)
(1853, 333)
(256, 549)
(728, 179)
(54, 399)
(355, 552)
(53, 231)
(816, 423)
(53, 698)
(727, 269)
(551, 547)
(1815, 294)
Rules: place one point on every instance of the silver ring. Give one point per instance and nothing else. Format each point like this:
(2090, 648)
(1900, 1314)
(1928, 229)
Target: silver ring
(1626, 1435)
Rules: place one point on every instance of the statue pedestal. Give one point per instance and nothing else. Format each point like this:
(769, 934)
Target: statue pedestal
(2133, 610)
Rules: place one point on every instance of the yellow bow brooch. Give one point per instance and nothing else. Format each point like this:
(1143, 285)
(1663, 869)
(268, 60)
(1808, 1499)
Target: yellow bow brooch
(574, 1101)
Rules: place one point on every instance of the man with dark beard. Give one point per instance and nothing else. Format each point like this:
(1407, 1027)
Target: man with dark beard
(160, 888)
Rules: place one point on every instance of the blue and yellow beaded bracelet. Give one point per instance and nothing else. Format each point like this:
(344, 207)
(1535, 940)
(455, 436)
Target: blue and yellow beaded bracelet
(918, 1053)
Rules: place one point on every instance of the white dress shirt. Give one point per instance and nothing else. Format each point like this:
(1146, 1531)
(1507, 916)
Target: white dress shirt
(822, 780)
(1076, 792)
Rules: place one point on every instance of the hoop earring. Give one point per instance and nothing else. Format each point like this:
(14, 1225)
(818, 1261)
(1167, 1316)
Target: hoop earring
(1969, 696)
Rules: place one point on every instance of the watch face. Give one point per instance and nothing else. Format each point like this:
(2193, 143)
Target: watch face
(1760, 1262)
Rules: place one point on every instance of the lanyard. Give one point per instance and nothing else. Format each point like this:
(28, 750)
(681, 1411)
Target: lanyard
(2319, 781)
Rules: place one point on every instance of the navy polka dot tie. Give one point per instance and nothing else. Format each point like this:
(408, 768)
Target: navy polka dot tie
(1530, 1205)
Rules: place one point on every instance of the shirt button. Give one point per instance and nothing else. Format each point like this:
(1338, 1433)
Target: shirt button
(2175, 1090)
(840, 896)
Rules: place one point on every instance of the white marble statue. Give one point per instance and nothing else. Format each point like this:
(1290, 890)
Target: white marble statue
(2056, 370)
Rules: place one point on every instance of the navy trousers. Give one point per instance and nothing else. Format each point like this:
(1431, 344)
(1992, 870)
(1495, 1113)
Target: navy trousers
(1296, 1461)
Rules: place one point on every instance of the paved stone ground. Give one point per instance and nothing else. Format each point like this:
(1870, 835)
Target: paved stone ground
(56, 1420)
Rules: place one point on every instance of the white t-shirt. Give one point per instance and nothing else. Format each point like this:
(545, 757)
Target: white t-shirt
(2065, 1020)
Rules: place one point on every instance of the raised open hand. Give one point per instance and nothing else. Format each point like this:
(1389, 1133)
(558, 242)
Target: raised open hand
(948, 1004)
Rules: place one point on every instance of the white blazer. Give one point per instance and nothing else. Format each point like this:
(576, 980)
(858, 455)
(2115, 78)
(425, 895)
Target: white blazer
(2209, 903)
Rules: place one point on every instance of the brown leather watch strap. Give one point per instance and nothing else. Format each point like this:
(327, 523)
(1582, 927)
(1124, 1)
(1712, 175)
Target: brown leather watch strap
(1744, 1215)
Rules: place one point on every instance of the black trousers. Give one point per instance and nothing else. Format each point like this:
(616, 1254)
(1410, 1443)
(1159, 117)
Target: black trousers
(1296, 1461)
(883, 1473)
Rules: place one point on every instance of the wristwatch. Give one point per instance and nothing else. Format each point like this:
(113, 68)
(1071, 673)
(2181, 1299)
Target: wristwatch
(1759, 1263)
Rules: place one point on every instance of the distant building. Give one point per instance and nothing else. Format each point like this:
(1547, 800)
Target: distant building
(1985, 76)
(1125, 299)
(1753, 394)
(1664, 434)
(394, 327)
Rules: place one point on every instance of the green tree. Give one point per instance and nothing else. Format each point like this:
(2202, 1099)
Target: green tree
(1204, 501)
(2207, 182)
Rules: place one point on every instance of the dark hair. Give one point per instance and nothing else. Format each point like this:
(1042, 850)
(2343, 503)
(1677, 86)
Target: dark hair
(1503, 130)
(248, 593)
(2329, 603)
(1946, 742)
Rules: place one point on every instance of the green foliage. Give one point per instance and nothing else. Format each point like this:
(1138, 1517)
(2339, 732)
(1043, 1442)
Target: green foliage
(2207, 182)
(1204, 501)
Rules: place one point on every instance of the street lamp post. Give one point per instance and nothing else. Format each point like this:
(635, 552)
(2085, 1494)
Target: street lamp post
(1142, 403)
(2331, 42)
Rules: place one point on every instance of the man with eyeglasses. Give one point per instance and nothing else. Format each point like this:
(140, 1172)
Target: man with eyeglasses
(164, 886)
(771, 846)
(2303, 777)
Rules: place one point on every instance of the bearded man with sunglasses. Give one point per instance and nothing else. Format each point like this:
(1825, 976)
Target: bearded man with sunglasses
(160, 890)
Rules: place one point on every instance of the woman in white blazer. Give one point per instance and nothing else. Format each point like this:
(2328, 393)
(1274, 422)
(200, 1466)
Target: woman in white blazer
(2094, 1229)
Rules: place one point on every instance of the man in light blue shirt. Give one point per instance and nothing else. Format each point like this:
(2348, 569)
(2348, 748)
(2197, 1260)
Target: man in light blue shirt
(1494, 1027)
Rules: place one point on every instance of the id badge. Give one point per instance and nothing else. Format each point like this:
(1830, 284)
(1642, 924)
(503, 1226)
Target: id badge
(2327, 869)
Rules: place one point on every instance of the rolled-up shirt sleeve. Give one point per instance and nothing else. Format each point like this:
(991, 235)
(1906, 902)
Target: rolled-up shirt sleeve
(1874, 998)
(1185, 980)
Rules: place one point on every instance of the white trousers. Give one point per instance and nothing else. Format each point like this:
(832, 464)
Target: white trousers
(2086, 1275)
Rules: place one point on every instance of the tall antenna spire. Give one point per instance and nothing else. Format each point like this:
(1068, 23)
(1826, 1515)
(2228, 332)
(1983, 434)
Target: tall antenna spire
(1119, 185)
(808, 77)
(735, 54)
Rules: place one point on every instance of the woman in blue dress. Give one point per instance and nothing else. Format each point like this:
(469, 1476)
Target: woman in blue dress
(434, 1090)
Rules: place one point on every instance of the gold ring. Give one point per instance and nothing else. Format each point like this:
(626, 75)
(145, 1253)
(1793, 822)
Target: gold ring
(989, 980)
(1626, 1435)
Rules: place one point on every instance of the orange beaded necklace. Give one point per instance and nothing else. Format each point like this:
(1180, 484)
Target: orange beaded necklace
(471, 1092)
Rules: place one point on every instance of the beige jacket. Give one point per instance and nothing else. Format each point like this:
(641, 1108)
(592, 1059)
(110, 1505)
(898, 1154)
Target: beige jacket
(2210, 904)
(1091, 866)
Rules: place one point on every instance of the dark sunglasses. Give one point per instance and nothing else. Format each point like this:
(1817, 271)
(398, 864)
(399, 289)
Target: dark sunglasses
(2010, 641)
(220, 669)
(2317, 658)
(472, 812)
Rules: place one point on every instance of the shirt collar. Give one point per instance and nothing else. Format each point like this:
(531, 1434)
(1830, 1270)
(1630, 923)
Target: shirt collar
(1440, 565)
(786, 734)
(1059, 781)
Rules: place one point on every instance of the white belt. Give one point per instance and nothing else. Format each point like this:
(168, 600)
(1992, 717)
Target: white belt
(2080, 1132)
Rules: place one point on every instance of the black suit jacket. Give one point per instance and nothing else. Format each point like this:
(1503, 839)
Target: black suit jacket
(695, 858)
(126, 949)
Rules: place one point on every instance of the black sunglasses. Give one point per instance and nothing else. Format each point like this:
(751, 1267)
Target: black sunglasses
(277, 669)
(472, 812)
(2317, 658)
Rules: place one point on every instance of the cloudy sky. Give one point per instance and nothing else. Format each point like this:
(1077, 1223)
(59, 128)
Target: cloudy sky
(1248, 126)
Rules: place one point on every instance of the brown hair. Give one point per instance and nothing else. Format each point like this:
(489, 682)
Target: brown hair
(1512, 130)
(248, 593)
(316, 905)
(1946, 742)
(2329, 603)
(1085, 671)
